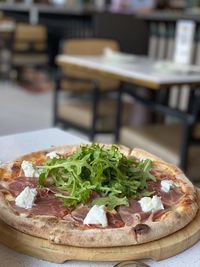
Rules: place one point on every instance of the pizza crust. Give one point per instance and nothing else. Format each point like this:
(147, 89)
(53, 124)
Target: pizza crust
(64, 232)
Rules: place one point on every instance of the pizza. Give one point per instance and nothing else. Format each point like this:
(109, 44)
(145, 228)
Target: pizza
(95, 195)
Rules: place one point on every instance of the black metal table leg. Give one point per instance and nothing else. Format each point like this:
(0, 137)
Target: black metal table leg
(118, 113)
(55, 100)
(95, 103)
(184, 150)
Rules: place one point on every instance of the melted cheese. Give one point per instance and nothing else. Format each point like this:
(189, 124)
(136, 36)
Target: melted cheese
(96, 215)
(151, 204)
(26, 198)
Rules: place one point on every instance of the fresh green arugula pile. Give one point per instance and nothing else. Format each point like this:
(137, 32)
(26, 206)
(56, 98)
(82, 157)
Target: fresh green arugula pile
(100, 169)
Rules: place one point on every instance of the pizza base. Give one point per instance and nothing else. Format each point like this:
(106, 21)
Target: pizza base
(64, 232)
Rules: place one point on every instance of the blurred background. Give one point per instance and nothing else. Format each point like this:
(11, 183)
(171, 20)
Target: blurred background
(34, 94)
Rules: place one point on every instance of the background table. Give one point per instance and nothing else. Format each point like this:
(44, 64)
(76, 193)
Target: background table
(142, 71)
(138, 70)
(15, 145)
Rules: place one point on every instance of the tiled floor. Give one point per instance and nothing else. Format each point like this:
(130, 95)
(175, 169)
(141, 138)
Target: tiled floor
(22, 111)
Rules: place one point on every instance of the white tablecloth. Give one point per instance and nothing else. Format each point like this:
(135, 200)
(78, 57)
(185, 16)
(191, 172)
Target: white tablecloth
(15, 145)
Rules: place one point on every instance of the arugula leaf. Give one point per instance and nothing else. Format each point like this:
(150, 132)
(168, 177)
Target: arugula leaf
(147, 194)
(97, 168)
(111, 201)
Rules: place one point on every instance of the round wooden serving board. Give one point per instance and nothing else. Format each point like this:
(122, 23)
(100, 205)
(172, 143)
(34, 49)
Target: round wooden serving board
(158, 250)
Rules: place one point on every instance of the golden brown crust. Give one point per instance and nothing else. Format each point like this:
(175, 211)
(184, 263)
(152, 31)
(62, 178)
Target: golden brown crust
(34, 156)
(64, 232)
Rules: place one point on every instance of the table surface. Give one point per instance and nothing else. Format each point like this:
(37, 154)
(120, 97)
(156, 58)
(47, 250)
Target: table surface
(137, 69)
(15, 145)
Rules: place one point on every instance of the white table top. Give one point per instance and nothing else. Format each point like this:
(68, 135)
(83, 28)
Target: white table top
(11, 146)
(19, 144)
(137, 67)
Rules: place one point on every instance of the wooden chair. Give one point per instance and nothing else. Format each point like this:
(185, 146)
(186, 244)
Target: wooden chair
(90, 105)
(165, 142)
(30, 45)
(177, 143)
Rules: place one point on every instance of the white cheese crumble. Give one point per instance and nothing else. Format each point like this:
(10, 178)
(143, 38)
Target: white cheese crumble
(26, 198)
(96, 215)
(29, 170)
(151, 204)
(166, 185)
(52, 154)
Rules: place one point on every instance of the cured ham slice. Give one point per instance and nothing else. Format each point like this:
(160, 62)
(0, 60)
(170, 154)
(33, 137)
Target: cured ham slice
(172, 197)
(158, 214)
(114, 220)
(128, 213)
(18, 184)
(50, 206)
(80, 213)
(168, 198)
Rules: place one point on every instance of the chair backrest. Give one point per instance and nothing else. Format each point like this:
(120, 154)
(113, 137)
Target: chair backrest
(90, 46)
(30, 37)
(7, 28)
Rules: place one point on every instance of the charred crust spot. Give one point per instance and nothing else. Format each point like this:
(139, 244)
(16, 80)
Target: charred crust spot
(141, 228)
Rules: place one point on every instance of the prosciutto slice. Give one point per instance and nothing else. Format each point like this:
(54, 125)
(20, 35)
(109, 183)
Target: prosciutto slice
(158, 214)
(49, 205)
(172, 197)
(168, 198)
(45, 204)
(80, 213)
(153, 186)
(132, 213)
(17, 185)
(114, 220)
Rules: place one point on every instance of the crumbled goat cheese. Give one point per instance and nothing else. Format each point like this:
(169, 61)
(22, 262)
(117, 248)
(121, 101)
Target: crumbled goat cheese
(29, 170)
(151, 204)
(96, 215)
(166, 185)
(26, 198)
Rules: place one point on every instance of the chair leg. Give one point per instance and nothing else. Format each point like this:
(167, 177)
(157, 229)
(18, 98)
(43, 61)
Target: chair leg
(191, 100)
(95, 102)
(55, 102)
(161, 97)
(187, 135)
(118, 113)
